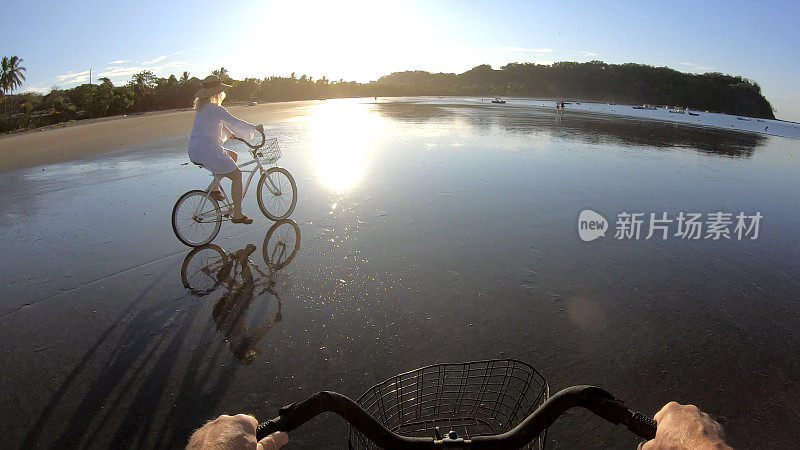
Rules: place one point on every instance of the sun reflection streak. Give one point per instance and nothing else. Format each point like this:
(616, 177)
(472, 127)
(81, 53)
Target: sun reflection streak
(342, 133)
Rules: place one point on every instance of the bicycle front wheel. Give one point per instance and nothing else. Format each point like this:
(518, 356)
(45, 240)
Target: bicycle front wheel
(196, 218)
(277, 193)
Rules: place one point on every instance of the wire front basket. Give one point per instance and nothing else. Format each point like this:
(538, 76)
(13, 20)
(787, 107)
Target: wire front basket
(270, 152)
(472, 399)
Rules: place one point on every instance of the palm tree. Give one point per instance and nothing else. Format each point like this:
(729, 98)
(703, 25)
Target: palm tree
(12, 73)
(11, 76)
(222, 73)
(4, 75)
(185, 78)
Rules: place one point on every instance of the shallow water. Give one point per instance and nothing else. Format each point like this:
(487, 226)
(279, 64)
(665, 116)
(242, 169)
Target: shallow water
(430, 231)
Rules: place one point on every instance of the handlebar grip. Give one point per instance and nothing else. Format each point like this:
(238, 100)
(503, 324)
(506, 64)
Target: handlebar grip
(263, 136)
(264, 429)
(642, 426)
(291, 416)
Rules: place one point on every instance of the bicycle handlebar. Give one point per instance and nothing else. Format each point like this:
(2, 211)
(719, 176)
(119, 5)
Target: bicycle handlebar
(592, 398)
(254, 147)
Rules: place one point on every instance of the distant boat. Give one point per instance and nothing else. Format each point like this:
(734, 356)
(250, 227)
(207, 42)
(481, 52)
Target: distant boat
(498, 100)
(742, 118)
(693, 114)
(645, 107)
(677, 111)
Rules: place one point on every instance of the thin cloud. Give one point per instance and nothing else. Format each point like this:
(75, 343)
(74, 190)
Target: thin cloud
(119, 61)
(130, 70)
(114, 72)
(588, 53)
(696, 67)
(153, 61)
(523, 49)
(172, 64)
(121, 71)
(73, 77)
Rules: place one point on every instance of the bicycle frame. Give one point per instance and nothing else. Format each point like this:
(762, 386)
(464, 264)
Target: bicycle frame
(200, 212)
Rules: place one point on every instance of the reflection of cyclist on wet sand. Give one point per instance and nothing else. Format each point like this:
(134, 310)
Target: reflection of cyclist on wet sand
(207, 268)
(230, 312)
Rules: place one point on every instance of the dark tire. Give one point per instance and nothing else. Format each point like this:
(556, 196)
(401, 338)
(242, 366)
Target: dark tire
(195, 274)
(186, 228)
(281, 244)
(277, 207)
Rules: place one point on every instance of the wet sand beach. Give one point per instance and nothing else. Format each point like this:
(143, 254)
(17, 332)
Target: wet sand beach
(427, 232)
(74, 140)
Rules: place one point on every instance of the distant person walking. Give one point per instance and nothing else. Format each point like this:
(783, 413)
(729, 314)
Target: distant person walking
(213, 125)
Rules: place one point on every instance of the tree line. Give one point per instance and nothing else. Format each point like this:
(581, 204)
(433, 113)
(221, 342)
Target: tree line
(591, 81)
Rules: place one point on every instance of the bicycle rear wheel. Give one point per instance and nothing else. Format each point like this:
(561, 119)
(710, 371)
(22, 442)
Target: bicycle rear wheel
(279, 204)
(200, 269)
(192, 226)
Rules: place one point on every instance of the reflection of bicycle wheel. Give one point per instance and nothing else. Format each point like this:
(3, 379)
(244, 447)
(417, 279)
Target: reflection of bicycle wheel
(200, 270)
(281, 243)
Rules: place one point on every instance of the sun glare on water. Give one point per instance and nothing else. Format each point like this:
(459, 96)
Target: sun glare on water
(342, 133)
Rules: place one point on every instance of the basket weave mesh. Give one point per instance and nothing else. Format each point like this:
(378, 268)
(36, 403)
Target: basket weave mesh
(473, 399)
(270, 152)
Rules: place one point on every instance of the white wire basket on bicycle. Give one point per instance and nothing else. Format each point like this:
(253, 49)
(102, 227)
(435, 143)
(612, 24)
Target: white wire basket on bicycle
(480, 398)
(270, 152)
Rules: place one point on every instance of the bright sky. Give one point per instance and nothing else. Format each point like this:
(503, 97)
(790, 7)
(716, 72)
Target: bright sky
(361, 40)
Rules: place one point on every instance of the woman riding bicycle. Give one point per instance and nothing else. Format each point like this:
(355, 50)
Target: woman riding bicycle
(213, 125)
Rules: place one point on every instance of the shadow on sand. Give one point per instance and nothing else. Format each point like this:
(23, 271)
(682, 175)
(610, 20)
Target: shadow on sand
(130, 369)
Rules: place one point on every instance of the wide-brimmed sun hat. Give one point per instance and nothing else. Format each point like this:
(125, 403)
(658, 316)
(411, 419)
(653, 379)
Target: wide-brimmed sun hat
(211, 86)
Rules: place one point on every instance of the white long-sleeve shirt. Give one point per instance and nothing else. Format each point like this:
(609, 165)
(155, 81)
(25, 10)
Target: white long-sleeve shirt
(213, 125)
